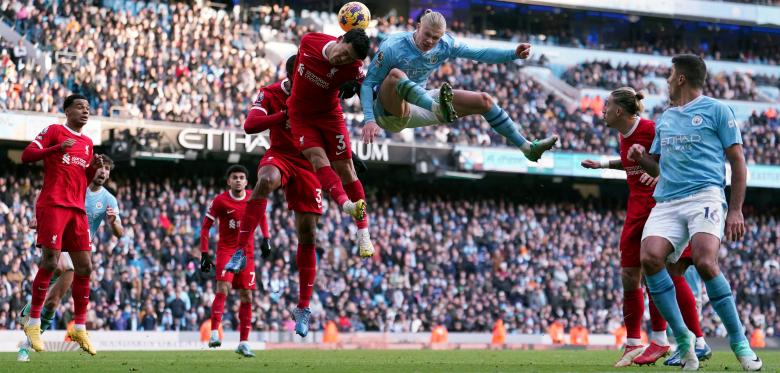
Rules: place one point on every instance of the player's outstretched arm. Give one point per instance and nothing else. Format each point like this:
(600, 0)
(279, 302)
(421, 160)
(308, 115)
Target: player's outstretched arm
(614, 164)
(735, 222)
(491, 55)
(648, 162)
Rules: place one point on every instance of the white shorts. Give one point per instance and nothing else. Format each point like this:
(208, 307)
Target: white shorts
(678, 220)
(418, 117)
(65, 263)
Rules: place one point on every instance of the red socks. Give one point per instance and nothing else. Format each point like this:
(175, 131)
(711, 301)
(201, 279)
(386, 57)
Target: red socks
(656, 320)
(217, 308)
(687, 303)
(245, 321)
(633, 310)
(254, 214)
(306, 260)
(356, 192)
(331, 184)
(80, 291)
(40, 286)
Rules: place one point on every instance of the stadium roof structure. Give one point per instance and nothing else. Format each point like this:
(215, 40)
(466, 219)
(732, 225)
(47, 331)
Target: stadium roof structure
(715, 11)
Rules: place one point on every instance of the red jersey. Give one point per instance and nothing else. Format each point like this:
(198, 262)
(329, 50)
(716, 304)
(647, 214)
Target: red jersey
(642, 133)
(272, 99)
(317, 82)
(228, 211)
(65, 174)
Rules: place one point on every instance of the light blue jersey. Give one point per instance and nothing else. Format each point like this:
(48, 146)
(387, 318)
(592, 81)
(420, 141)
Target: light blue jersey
(692, 141)
(97, 204)
(399, 51)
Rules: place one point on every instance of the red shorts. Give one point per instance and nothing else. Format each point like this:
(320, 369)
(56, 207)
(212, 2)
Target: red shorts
(301, 186)
(62, 228)
(244, 280)
(687, 253)
(631, 237)
(328, 133)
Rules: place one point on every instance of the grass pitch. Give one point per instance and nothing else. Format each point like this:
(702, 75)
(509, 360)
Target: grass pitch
(369, 361)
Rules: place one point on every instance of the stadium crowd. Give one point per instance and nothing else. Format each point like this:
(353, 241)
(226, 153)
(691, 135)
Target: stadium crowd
(443, 259)
(214, 79)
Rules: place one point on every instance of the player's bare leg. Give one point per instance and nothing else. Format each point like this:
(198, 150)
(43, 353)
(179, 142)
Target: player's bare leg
(244, 323)
(331, 183)
(633, 309)
(306, 259)
(217, 309)
(397, 92)
(690, 313)
(705, 257)
(654, 252)
(471, 103)
(354, 188)
(40, 287)
(82, 266)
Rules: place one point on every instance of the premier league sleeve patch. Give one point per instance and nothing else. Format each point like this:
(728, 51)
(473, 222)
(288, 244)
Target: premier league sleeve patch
(379, 58)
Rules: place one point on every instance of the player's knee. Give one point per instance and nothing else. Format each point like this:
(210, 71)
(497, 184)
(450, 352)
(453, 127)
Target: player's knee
(49, 264)
(223, 287)
(396, 74)
(85, 269)
(485, 101)
(707, 267)
(245, 296)
(346, 170)
(651, 263)
(266, 183)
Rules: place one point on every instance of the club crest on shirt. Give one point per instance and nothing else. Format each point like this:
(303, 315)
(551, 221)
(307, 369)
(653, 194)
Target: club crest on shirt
(433, 58)
(99, 205)
(332, 72)
(697, 120)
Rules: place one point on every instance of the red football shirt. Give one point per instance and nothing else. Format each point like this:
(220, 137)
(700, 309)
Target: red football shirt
(64, 173)
(228, 211)
(272, 99)
(316, 88)
(642, 133)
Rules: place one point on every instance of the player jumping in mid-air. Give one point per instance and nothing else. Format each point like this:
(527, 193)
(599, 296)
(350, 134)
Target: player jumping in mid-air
(399, 73)
(100, 205)
(283, 165)
(693, 139)
(228, 208)
(68, 166)
(323, 64)
(621, 112)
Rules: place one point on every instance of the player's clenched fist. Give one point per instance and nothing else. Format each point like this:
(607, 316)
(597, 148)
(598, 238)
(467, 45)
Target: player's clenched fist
(523, 50)
(636, 152)
(67, 144)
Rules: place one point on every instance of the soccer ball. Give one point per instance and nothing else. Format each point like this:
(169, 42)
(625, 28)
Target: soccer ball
(354, 15)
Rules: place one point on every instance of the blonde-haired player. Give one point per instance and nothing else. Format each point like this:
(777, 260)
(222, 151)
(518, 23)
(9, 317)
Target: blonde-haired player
(394, 96)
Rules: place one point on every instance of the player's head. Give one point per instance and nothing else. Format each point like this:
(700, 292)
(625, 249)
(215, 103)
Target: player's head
(352, 46)
(623, 104)
(76, 108)
(237, 177)
(688, 72)
(103, 173)
(289, 68)
(430, 30)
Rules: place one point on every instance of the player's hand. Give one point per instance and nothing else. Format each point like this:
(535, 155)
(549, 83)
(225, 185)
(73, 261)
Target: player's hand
(349, 89)
(34, 223)
(206, 265)
(589, 163)
(67, 144)
(636, 152)
(648, 180)
(735, 225)
(370, 132)
(111, 215)
(97, 161)
(523, 50)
